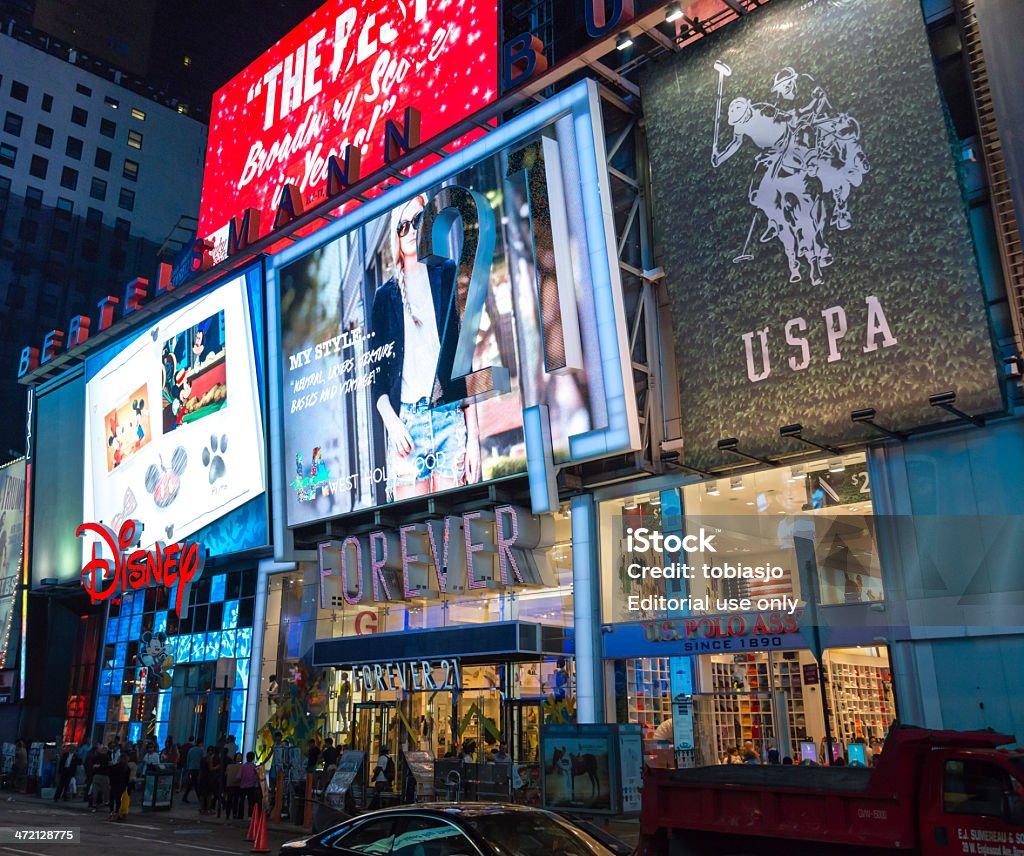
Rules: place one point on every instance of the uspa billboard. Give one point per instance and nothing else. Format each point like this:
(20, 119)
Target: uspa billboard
(174, 435)
(12, 540)
(334, 81)
(425, 333)
(812, 228)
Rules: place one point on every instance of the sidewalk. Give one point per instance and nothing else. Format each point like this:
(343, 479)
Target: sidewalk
(178, 814)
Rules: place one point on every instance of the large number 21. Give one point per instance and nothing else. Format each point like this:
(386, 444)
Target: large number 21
(555, 285)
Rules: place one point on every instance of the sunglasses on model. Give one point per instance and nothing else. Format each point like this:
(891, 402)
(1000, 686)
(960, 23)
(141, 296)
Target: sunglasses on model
(405, 225)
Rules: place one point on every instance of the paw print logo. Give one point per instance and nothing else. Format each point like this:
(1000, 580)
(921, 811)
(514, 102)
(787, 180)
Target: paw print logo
(213, 458)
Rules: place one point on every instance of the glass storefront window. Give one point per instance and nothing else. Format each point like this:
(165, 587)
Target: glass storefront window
(777, 518)
(551, 605)
(767, 702)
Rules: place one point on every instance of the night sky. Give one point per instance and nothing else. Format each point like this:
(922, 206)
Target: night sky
(220, 36)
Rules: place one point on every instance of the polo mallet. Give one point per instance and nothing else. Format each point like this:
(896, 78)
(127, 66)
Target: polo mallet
(723, 72)
(746, 255)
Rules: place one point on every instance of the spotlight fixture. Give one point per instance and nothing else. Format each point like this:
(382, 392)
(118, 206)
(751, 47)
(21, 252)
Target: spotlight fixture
(673, 12)
(624, 40)
(629, 505)
(867, 416)
(836, 465)
(736, 483)
(795, 432)
(731, 444)
(947, 400)
(796, 473)
(711, 488)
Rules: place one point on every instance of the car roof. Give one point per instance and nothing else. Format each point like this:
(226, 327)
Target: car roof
(461, 809)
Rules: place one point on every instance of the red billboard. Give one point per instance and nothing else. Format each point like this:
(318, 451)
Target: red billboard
(334, 81)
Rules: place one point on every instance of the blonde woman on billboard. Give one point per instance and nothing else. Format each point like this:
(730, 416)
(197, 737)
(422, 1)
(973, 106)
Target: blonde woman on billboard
(432, 434)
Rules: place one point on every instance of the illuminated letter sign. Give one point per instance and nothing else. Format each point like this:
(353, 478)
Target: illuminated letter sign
(501, 549)
(408, 676)
(165, 565)
(346, 80)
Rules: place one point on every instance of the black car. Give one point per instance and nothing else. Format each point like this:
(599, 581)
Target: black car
(446, 829)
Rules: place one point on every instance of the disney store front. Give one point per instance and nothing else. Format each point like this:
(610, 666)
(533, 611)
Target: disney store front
(750, 650)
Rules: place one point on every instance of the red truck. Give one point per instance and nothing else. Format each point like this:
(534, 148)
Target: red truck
(931, 793)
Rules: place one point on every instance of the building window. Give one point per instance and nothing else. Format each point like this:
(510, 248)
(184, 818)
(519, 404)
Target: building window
(111, 102)
(98, 189)
(33, 198)
(118, 258)
(131, 170)
(28, 230)
(135, 139)
(19, 91)
(69, 178)
(138, 114)
(58, 241)
(12, 124)
(122, 228)
(126, 199)
(65, 207)
(108, 128)
(81, 89)
(47, 102)
(44, 136)
(102, 159)
(79, 116)
(7, 155)
(39, 166)
(94, 217)
(74, 148)
(89, 250)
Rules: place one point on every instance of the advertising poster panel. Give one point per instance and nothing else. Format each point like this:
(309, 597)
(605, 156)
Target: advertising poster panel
(334, 81)
(413, 341)
(12, 540)
(578, 769)
(174, 435)
(812, 229)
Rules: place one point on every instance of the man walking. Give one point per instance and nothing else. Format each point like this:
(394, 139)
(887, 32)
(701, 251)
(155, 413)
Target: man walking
(383, 776)
(193, 762)
(67, 766)
(101, 778)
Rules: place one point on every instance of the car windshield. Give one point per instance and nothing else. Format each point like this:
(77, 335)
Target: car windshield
(533, 834)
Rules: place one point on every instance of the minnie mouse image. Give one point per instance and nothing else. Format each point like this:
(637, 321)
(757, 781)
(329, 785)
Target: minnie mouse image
(154, 656)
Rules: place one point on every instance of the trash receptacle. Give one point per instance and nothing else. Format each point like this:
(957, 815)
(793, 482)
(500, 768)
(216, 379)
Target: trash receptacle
(158, 790)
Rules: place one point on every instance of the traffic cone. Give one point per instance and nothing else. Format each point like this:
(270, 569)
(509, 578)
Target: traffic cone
(260, 844)
(254, 823)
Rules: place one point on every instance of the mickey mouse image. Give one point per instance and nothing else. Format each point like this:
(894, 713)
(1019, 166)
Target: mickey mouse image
(154, 656)
(139, 409)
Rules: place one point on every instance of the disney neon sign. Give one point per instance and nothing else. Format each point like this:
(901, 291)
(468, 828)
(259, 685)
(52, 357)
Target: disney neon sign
(165, 565)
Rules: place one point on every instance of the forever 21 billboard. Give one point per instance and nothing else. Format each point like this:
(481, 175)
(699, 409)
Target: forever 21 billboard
(812, 229)
(420, 332)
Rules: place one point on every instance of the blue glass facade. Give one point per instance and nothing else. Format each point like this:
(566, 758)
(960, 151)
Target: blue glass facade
(158, 687)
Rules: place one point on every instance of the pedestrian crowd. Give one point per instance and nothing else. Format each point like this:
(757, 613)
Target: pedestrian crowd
(109, 776)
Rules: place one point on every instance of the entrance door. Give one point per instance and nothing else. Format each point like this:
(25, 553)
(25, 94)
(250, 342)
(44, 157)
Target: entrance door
(524, 718)
(372, 726)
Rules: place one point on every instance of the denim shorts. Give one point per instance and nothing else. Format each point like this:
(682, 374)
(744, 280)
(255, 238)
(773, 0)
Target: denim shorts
(439, 445)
